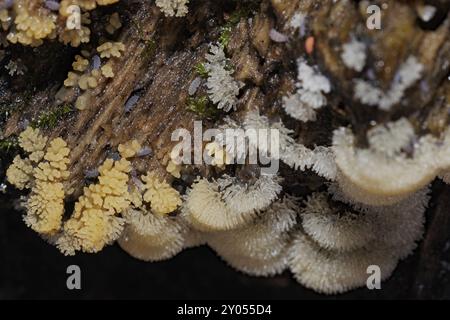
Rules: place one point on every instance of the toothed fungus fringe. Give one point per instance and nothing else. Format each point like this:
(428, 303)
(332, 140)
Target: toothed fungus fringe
(259, 248)
(385, 173)
(206, 211)
(333, 228)
(334, 254)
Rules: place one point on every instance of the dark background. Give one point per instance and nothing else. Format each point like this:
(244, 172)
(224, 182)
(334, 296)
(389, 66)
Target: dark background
(33, 269)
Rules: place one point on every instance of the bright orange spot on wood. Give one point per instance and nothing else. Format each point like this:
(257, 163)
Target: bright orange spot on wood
(309, 45)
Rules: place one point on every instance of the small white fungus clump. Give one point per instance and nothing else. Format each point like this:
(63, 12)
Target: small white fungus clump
(354, 55)
(292, 153)
(222, 88)
(311, 87)
(410, 71)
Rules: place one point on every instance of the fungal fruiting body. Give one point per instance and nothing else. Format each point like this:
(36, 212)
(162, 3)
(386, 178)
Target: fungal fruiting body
(45, 205)
(332, 253)
(95, 222)
(206, 211)
(259, 248)
(151, 234)
(408, 73)
(222, 88)
(384, 173)
(29, 23)
(171, 8)
(311, 87)
(43, 172)
(347, 135)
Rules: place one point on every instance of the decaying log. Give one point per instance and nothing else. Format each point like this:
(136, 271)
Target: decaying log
(159, 65)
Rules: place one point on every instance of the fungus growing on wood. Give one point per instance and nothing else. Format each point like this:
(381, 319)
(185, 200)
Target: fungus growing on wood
(384, 173)
(222, 88)
(354, 55)
(246, 197)
(311, 87)
(111, 49)
(361, 174)
(44, 171)
(94, 222)
(341, 245)
(331, 228)
(151, 234)
(259, 248)
(162, 198)
(20, 173)
(332, 272)
(206, 211)
(410, 72)
(173, 8)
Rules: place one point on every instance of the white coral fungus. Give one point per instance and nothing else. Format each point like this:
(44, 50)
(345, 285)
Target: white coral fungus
(311, 87)
(354, 55)
(409, 73)
(222, 88)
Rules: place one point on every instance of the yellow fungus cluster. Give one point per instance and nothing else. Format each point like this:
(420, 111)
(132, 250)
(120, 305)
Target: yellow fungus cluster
(31, 25)
(86, 78)
(45, 206)
(95, 221)
(174, 169)
(54, 167)
(29, 22)
(114, 23)
(162, 197)
(77, 36)
(33, 142)
(89, 81)
(44, 171)
(129, 149)
(72, 79)
(84, 81)
(80, 63)
(111, 49)
(107, 71)
(20, 173)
